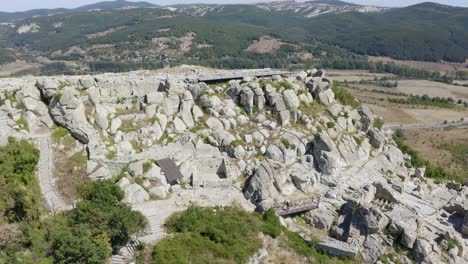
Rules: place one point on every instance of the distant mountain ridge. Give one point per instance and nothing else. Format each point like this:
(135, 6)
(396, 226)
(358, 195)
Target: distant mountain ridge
(307, 9)
(319, 7)
(105, 5)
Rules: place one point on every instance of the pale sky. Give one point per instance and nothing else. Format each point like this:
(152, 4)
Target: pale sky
(23, 5)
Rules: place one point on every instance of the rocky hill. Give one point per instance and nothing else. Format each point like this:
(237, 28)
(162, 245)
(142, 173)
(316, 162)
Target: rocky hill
(253, 138)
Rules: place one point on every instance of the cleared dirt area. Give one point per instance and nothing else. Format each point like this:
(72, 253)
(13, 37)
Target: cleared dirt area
(11, 68)
(432, 66)
(422, 87)
(446, 147)
(265, 44)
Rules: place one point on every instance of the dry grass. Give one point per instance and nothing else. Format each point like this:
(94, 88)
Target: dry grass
(396, 114)
(432, 146)
(432, 66)
(355, 75)
(69, 169)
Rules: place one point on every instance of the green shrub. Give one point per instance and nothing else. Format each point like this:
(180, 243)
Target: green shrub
(272, 225)
(288, 144)
(59, 133)
(23, 123)
(378, 123)
(111, 154)
(147, 166)
(225, 235)
(57, 96)
(343, 96)
(330, 124)
(425, 101)
(20, 199)
(210, 235)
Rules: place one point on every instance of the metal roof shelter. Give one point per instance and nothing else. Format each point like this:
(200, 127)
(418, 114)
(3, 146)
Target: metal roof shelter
(296, 207)
(170, 169)
(240, 75)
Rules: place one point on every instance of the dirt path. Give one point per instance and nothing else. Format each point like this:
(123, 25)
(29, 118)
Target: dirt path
(404, 127)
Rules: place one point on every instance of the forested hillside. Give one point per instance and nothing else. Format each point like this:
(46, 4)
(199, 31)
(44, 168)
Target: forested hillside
(222, 35)
(427, 31)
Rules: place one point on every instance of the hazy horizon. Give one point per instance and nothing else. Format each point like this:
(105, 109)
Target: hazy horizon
(24, 5)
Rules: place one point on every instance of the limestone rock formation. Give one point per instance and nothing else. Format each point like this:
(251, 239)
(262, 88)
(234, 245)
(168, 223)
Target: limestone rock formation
(266, 130)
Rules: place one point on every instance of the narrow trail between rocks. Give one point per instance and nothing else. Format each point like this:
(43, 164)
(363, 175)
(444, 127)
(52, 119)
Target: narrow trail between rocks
(46, 176)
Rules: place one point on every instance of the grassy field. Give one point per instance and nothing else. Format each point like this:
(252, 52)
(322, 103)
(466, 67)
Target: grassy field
(431, 66)
(396, 105)
(447, 147)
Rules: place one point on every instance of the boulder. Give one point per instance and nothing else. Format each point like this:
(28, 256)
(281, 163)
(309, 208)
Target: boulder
(135, 194)
(284, 117)
(375, 220)
(304, 178)
(197, 112)
(367, 118)
(69, 112)
(159, 191)
(115, 125)
(326, 156)
(238, 152)
(154, 98)
(170, 105)
(179, 125)
(376, 138)
(266, 182)
(101, 117)
(320, 218)
(291, 100)
(214, 124)
(274, 152)
(246, 100)
(339, 248)
(374, 248)
(326, 97)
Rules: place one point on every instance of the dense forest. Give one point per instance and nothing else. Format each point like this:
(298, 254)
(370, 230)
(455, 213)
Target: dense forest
(428, 32)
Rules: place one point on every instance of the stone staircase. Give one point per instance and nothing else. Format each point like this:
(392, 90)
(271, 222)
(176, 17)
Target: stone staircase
(126, 253)
(5, 130)
(156, 227)
(46, 177)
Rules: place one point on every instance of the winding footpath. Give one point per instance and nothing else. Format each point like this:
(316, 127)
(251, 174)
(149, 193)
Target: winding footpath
(46, 176)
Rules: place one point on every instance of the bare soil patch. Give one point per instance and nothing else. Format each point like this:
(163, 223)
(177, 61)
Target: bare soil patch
(104, 33)
(265, 44)
(69, 168)
(14, 67)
